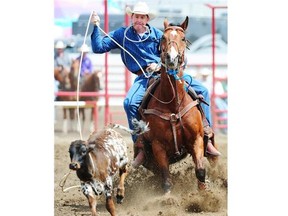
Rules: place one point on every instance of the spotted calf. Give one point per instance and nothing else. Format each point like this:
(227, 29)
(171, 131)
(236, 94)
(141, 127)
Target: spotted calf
(96, 161)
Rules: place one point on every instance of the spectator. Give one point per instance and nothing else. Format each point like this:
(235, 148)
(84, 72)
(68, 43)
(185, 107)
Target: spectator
(86, 65)
(61, 58)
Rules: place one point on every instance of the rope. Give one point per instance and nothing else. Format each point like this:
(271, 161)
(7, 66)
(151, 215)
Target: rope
(64, 178)
(98, 25)
(63, 181)
(78, 78)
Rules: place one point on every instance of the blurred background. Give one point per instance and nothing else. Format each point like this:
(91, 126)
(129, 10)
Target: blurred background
(71, 20)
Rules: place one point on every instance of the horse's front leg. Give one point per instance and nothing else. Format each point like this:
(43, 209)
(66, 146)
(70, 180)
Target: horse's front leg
(198, 158)
(162, 160)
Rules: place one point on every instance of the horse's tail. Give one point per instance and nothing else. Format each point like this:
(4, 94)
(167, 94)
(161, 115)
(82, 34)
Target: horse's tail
(140, 127)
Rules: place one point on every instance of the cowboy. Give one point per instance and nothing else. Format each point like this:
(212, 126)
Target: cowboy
(86, 65)
(142, 41)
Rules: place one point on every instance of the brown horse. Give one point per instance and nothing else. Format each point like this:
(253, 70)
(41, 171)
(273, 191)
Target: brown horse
(63, 76)
(88, 83)
(176, 127)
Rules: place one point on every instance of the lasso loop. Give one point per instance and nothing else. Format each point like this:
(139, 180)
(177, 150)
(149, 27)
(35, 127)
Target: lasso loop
(144, 73)
(134, 41)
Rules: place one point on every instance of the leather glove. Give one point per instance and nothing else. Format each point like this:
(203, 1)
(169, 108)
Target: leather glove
(153, 67)
(95, 19)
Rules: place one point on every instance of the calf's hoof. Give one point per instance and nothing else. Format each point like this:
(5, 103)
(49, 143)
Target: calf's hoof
(120, 199)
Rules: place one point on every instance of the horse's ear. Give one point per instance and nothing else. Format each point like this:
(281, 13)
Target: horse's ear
(184, 25)
(166, 23)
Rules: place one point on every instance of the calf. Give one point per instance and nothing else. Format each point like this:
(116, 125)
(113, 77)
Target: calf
(96, 161)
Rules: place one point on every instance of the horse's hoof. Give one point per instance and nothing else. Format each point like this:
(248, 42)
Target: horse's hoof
(167, 188)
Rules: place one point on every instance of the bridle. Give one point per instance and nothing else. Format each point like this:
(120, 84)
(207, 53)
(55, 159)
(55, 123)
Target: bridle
(180, 53)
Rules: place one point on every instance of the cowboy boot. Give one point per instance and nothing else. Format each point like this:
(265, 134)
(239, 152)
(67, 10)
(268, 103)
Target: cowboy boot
(210, 149)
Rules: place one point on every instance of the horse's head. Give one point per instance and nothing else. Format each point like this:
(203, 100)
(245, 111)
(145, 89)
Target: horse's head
(61, 75)
(173, 45)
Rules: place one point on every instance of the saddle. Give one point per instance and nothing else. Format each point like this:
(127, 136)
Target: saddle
(197, 100)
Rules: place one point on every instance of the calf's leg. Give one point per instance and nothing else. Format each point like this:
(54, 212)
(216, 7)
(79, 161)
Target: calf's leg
(110, 206)
(121, 189)
(88, 192)
(108, 193)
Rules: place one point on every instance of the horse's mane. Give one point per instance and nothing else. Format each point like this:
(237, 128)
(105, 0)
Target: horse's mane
(173, 24)
(179, 25)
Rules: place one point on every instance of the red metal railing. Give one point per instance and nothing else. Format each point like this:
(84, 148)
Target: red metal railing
(217, 120)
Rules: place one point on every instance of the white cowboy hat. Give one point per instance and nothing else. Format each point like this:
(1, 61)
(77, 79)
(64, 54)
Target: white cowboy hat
(140, 8)
(60, 45)
(84, 48)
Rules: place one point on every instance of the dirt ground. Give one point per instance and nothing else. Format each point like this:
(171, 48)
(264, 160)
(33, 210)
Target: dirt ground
(144, 195)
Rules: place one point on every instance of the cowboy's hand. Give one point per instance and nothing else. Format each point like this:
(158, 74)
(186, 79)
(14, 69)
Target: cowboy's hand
(95, 19)
(153, 67)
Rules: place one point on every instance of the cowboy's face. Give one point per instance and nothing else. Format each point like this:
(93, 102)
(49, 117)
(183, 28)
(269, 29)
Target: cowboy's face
(60, 50)
(139, 21)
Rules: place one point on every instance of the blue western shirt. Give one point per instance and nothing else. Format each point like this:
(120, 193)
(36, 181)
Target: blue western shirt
(145, 50)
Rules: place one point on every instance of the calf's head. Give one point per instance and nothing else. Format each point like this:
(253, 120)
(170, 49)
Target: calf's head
(78, 150)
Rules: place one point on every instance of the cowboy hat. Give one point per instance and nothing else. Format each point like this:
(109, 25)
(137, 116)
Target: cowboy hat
(140, 8)
(60, 45)
(84, 48)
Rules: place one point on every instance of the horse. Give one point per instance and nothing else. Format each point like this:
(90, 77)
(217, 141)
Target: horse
(64, 79)
(88, 83)
(175, 121)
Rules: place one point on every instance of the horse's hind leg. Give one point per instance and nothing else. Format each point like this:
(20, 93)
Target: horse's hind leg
(198, 158)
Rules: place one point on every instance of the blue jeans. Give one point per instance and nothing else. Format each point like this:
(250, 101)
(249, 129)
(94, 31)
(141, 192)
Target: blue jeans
(133, 100)
(137, 91)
